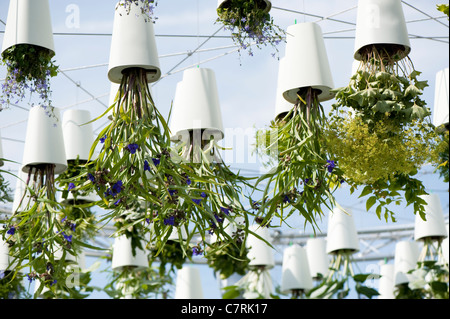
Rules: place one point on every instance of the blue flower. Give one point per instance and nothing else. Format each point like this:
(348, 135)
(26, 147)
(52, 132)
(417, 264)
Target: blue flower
(67, 237)
(30, 277)
(71, 186)
(53, 282)
(286, 199)
(11, 230)
(197, 201)
(102, 139)
(72, 226)
(196, 251)
(91, 178)
(117, 202)
(330, 165)
(146, 166)
(169, 221)
(156, 161)
(220, 220)
(172, 192)
(226, 211)
(117, 188)
(64, 219)
(188, 181)
(203, 194)
(132, 148)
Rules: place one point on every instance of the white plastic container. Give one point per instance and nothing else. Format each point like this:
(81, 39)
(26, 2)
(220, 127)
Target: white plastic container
(386, 282)
(317, 257)
(28, 22)
(196, 106)
(133, 45)
(260, 253)
(222, 3)
(78, 135)
(434, 225)
(4, 256)
(188, 284)
(44, 141)
(295, 274)
(381, 22)
(441, 102)
(342, 235)
(307, 61)
(405, 259)
(123, 255)
(282, 106)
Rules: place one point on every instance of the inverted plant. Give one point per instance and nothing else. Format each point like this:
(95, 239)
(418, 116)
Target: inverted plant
(380, 132)
(250, 24)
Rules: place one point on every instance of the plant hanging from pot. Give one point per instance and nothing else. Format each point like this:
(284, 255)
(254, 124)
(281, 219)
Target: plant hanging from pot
(146, 8)
(379, 130)
(250, 23)
(28, 56)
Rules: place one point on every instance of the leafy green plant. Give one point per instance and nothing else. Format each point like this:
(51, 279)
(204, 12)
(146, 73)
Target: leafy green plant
(443, 8)
(12, 286)
(29, 68)
(304, 175)
(249, 21)
(379, 130)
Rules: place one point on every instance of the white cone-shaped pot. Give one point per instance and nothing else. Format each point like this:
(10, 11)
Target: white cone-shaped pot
(381, 22)
(405, 259)
(441, 101)
(260, 253)
(78, 134)
(342, 235)
(133, 45)
(316, 250)
(445, 248)
(59, 254)
(4, 256)
(196, 106)
(307, 62)
(44, 142)
(282, 106)
(226, 3)
(28, 22)
(1, 150)
(434, 225)
(386, 282)
(295, 274)
(123, 255)
(188, 284)
(175, 234)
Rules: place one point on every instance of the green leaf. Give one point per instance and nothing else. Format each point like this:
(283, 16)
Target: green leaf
(370, 202)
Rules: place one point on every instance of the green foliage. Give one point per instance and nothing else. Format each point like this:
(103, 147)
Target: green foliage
(11, 286)
(442, 151)
(228, 259)
(444, 8)
(5, 191)
(304, 175)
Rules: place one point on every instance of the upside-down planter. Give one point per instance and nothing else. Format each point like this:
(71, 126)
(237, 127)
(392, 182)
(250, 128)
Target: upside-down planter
(386, 282)
(188, 283)
(295, 274)
(124, 257)
(317, 257)
(441, 99)
(341, 236)
(405, 260)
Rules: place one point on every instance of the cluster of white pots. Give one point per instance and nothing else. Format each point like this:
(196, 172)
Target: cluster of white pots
(441, 98)
(381, 22)
(304, 65)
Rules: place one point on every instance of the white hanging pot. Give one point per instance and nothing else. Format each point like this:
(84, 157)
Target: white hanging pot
(405, 259)
(68, 257)
(381, 22)
(196, 106)
(434, 225)
(133, 44)
(226, 4)
(306, 62)
(28, 22)
(4, 256)
(260, 253)
(317, 257)
(78, 135)
(44, 142)
(342, 235)
(188, 284)
(441, 102)
(123, 255)
(295, 274)
(445, 249)
(176, 232)
(386, 282)
(229, 228)
(282, 106)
